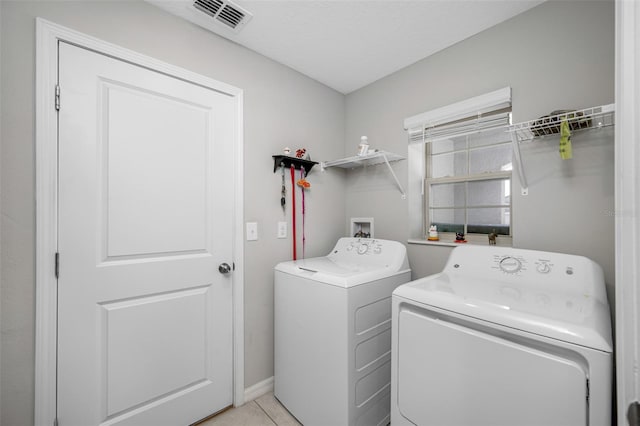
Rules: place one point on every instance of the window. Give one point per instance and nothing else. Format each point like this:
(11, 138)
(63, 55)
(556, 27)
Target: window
(465, 166)
(468, 183)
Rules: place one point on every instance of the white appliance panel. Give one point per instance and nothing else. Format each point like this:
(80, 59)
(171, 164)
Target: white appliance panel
(332, 323)
(308, 351)
(453, 375)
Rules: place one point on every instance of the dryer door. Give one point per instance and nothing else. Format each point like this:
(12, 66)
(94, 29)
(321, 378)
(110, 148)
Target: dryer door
(450, 374)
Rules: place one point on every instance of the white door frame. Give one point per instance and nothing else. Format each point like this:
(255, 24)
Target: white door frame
(627, 211)
(48, 35)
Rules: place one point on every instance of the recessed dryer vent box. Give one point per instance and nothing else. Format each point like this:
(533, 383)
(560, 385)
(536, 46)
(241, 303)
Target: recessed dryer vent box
(361, 227)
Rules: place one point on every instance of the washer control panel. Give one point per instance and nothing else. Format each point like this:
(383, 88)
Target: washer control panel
(365, 246)
(369, 252)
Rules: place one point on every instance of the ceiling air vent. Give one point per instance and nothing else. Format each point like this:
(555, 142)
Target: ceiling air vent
(210, 7)
(225, 12)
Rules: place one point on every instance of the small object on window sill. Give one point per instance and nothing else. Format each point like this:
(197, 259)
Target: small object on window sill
(433, 233)
(460, 238)
(492, 238)
(287, 150)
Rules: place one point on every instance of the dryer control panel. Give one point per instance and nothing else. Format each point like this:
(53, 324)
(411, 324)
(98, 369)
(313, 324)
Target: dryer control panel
(527, 279)
(518, 264)
(544, 264)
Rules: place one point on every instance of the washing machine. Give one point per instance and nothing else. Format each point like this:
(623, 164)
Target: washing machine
(503, 337)
(332, 326)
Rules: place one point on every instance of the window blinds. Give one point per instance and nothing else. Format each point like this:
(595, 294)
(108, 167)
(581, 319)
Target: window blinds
(462, 127)
(472, 115)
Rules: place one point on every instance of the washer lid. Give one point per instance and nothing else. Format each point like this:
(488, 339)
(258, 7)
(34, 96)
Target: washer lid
(353, 261)
(336, 272)
(328, 266)
(572, 319)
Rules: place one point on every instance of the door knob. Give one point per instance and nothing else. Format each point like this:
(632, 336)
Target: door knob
(224, 268)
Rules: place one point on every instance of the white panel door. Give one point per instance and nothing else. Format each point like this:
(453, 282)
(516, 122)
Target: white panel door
(145, 214)
(455, 376)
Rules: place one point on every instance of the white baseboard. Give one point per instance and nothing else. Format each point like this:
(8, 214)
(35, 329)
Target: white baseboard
(259, 389)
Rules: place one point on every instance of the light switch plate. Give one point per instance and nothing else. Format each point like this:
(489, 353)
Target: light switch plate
(252, 231)
(282, 229)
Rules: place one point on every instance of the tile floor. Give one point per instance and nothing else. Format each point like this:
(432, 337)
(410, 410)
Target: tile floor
(263, 411)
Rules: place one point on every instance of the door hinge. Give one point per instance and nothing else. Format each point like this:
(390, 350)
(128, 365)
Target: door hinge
(633, 414)
(57, 268)
(57, 97)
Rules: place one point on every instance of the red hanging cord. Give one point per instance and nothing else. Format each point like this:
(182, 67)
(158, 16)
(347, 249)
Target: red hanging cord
(303, 208)
(293, 208)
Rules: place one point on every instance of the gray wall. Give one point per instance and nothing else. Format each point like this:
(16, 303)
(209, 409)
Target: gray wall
(282, 108)
(559, 55)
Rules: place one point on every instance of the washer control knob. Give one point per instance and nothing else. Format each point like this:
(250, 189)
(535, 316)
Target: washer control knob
(510, 265)
(362, 249)
(543, 268)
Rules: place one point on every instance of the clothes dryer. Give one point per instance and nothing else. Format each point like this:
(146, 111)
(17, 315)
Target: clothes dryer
(332, 323)
(503, 337)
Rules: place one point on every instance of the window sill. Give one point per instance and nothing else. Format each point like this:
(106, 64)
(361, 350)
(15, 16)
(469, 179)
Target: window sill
(448, 240)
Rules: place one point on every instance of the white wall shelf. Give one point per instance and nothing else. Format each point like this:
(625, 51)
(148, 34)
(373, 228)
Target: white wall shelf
(549, 126)
(370, 159)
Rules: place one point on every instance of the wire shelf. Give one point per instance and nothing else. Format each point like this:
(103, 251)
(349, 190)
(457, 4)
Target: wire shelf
(585, 119)
(370, 159)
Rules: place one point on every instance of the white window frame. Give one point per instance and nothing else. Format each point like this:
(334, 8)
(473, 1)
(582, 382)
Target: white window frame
(496, 175)
(419, 162)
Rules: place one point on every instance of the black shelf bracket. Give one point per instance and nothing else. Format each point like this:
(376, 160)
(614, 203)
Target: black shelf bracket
(296, 162)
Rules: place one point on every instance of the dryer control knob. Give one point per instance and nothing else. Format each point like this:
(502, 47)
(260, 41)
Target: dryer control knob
(510, 265)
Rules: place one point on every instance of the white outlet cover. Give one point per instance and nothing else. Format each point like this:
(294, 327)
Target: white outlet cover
(282, 230)
(252, 231)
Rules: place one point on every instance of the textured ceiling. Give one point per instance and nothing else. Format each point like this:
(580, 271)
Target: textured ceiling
(349, 44)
